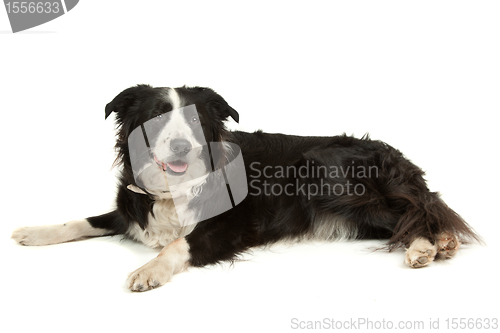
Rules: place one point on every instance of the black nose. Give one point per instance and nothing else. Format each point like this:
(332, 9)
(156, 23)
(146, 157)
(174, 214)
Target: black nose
(180, 146)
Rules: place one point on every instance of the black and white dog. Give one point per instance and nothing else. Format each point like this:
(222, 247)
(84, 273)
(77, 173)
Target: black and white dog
(298, 188)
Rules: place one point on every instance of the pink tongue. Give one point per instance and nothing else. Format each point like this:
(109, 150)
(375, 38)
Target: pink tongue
(177, 167)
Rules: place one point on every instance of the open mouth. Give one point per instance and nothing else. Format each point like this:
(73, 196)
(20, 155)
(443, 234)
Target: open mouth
(177, 167)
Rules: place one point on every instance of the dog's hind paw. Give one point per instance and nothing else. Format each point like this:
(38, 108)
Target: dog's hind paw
(420, 253)
(448, 245)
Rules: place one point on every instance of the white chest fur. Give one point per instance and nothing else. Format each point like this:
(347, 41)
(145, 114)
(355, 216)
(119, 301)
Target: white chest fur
(163, 228)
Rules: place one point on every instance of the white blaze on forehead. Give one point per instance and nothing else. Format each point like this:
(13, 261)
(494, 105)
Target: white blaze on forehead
(176, 128)
(175, 99)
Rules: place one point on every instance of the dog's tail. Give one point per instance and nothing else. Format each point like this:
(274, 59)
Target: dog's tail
(428, 217)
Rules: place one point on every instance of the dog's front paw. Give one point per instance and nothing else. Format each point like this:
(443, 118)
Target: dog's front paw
(154, 274)
(39, 235)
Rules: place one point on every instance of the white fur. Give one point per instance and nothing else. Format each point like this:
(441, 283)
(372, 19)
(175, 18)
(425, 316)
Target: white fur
(174, 258)
(57, 233)
(420, 253)
(154, 178)
(176, 128)
(333, 228)
(164, 227)
(175, 99)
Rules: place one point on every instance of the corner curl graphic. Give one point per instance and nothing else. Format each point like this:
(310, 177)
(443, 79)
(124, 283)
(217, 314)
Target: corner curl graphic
(25, 15)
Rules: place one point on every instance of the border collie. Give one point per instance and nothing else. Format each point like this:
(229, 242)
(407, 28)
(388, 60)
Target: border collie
(298, 188)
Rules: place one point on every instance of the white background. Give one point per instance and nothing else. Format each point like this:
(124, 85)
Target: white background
(422, 76)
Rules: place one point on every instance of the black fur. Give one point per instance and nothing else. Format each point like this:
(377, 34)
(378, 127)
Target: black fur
(395, 205)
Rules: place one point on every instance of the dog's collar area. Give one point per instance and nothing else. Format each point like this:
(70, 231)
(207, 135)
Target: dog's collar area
(139, 190)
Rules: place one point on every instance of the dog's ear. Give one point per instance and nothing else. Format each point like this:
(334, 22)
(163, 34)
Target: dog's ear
(126, 98)
(234, 114)
(221, 107)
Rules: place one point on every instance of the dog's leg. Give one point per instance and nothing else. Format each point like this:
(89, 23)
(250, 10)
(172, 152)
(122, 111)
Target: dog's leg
(431, 230)
(422, 252)
(57, 233)
(106, 224)
(203, 246)
(174, 258)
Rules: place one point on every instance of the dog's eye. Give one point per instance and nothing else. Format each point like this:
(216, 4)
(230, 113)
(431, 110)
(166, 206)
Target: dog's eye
(194, 120)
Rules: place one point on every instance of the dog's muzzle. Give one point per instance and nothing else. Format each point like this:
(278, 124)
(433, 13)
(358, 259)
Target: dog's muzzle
(175, 167)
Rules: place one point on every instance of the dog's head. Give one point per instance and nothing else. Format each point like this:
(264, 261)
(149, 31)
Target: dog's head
(163, 134)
